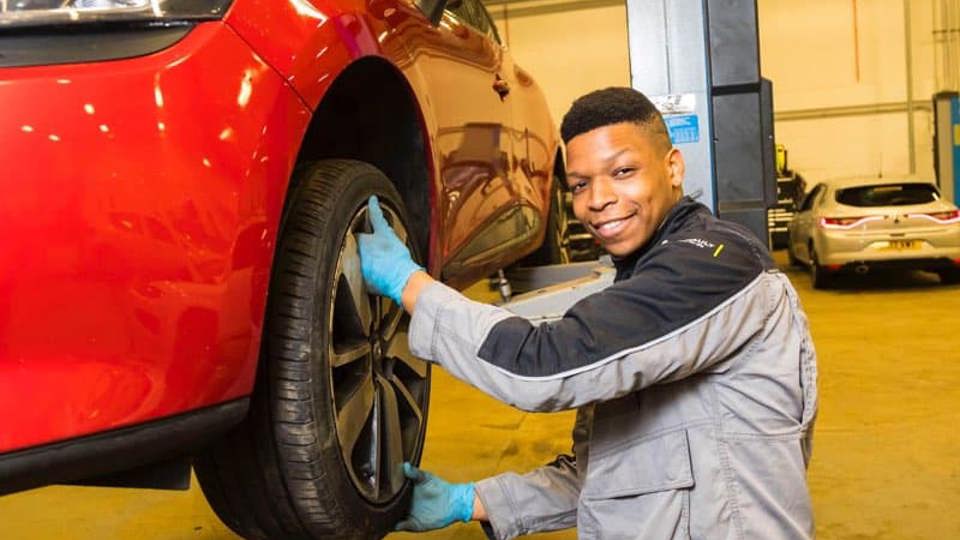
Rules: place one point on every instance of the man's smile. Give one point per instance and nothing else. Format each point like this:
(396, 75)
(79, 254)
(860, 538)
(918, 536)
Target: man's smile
(610, 228)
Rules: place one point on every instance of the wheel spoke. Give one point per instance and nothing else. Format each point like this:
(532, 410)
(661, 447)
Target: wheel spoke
(373, 456)
(407, 397)
(400, 350)
(376, 313)
(350, 260)
(353, 414)
(391, 436)
(393, 314)
(349, 353)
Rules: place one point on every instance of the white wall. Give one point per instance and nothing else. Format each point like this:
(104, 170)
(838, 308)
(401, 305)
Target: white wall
(569, 53)
(809, 52)
(807, 49)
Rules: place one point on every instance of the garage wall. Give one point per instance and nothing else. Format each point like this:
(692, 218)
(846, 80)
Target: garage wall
(841, 103)
(570, 47)
(841, 88)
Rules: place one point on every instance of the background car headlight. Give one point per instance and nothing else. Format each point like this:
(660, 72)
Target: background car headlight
(33, 13)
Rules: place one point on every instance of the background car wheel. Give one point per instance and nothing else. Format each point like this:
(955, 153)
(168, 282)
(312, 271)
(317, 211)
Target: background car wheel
(555, 248)
(819, 276)
(950, 276)
(339, 402)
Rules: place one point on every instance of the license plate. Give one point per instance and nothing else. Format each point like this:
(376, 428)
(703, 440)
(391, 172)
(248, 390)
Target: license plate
(901, 245)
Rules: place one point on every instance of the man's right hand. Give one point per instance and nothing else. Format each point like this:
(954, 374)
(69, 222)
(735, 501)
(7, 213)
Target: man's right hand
(436, 503)
(385, 261)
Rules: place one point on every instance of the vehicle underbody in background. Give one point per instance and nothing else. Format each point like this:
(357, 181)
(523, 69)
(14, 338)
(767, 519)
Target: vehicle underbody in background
(184, 182)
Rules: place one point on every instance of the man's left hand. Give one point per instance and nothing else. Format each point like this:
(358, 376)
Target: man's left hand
(436, 502)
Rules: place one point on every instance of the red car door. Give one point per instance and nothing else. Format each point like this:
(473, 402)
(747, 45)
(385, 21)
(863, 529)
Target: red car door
(535, 141)
(460, 64)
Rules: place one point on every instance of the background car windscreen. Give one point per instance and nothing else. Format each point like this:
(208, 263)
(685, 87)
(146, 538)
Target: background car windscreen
(888, 195)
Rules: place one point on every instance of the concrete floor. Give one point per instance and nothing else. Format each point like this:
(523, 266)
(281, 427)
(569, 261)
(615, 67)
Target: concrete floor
(886, 459)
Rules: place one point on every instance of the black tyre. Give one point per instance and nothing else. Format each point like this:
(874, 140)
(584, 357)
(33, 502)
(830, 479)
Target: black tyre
(339, 402)
(950, 276)
(819, 276)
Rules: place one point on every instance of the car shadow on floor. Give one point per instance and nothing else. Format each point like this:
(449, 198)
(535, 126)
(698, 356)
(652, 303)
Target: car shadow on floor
(877, 280)
(874, 280)
(887, 280)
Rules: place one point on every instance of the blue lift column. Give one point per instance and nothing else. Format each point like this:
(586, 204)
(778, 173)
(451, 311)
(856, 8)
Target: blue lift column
(946, 144)
(698, 61)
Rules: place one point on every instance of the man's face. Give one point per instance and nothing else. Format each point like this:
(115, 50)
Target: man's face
(624, 180)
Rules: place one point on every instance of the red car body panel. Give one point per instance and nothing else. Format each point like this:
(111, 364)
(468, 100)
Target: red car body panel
(142, 199)
(138, 228)
(311, 43)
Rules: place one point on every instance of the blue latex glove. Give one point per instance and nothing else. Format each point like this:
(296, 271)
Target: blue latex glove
(384, 259)
(436, 503)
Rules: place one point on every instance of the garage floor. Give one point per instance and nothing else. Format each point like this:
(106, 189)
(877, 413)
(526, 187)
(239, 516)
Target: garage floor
(886, 455)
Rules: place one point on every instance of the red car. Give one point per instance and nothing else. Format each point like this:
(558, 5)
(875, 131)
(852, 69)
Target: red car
(182, 184)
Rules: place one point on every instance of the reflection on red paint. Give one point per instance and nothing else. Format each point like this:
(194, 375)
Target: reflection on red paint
(142, 199)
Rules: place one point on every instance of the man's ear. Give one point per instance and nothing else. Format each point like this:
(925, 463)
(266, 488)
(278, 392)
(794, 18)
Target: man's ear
(676, 167)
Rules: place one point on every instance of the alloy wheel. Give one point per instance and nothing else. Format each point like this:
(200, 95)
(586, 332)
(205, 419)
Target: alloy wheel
(379, 388)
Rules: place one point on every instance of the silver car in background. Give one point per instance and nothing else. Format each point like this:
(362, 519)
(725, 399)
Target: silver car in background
(867, 223)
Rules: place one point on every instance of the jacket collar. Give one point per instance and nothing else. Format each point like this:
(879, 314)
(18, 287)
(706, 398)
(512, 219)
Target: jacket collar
(675, 220)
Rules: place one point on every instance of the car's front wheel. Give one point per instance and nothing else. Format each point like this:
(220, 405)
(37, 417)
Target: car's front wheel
(339, 402)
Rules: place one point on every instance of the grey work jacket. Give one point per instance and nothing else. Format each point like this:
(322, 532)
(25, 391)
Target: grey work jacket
(694, 377)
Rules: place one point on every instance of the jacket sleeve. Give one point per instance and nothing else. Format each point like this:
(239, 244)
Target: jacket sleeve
(544, 499)
(691, 305)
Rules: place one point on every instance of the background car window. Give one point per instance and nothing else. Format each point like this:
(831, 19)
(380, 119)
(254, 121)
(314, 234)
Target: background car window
(474, 14)
(888, 195)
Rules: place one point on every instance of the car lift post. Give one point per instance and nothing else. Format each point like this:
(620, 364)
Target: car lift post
(699, 62)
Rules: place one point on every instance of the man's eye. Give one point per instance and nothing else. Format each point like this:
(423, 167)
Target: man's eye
(578, 187)
(623, 171)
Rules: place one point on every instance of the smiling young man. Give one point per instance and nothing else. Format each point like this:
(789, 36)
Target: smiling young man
(694, 375)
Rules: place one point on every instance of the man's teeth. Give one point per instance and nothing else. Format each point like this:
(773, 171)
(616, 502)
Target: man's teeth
(610, 225)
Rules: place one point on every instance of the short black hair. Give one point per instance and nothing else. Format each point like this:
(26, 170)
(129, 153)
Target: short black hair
(609, 106)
